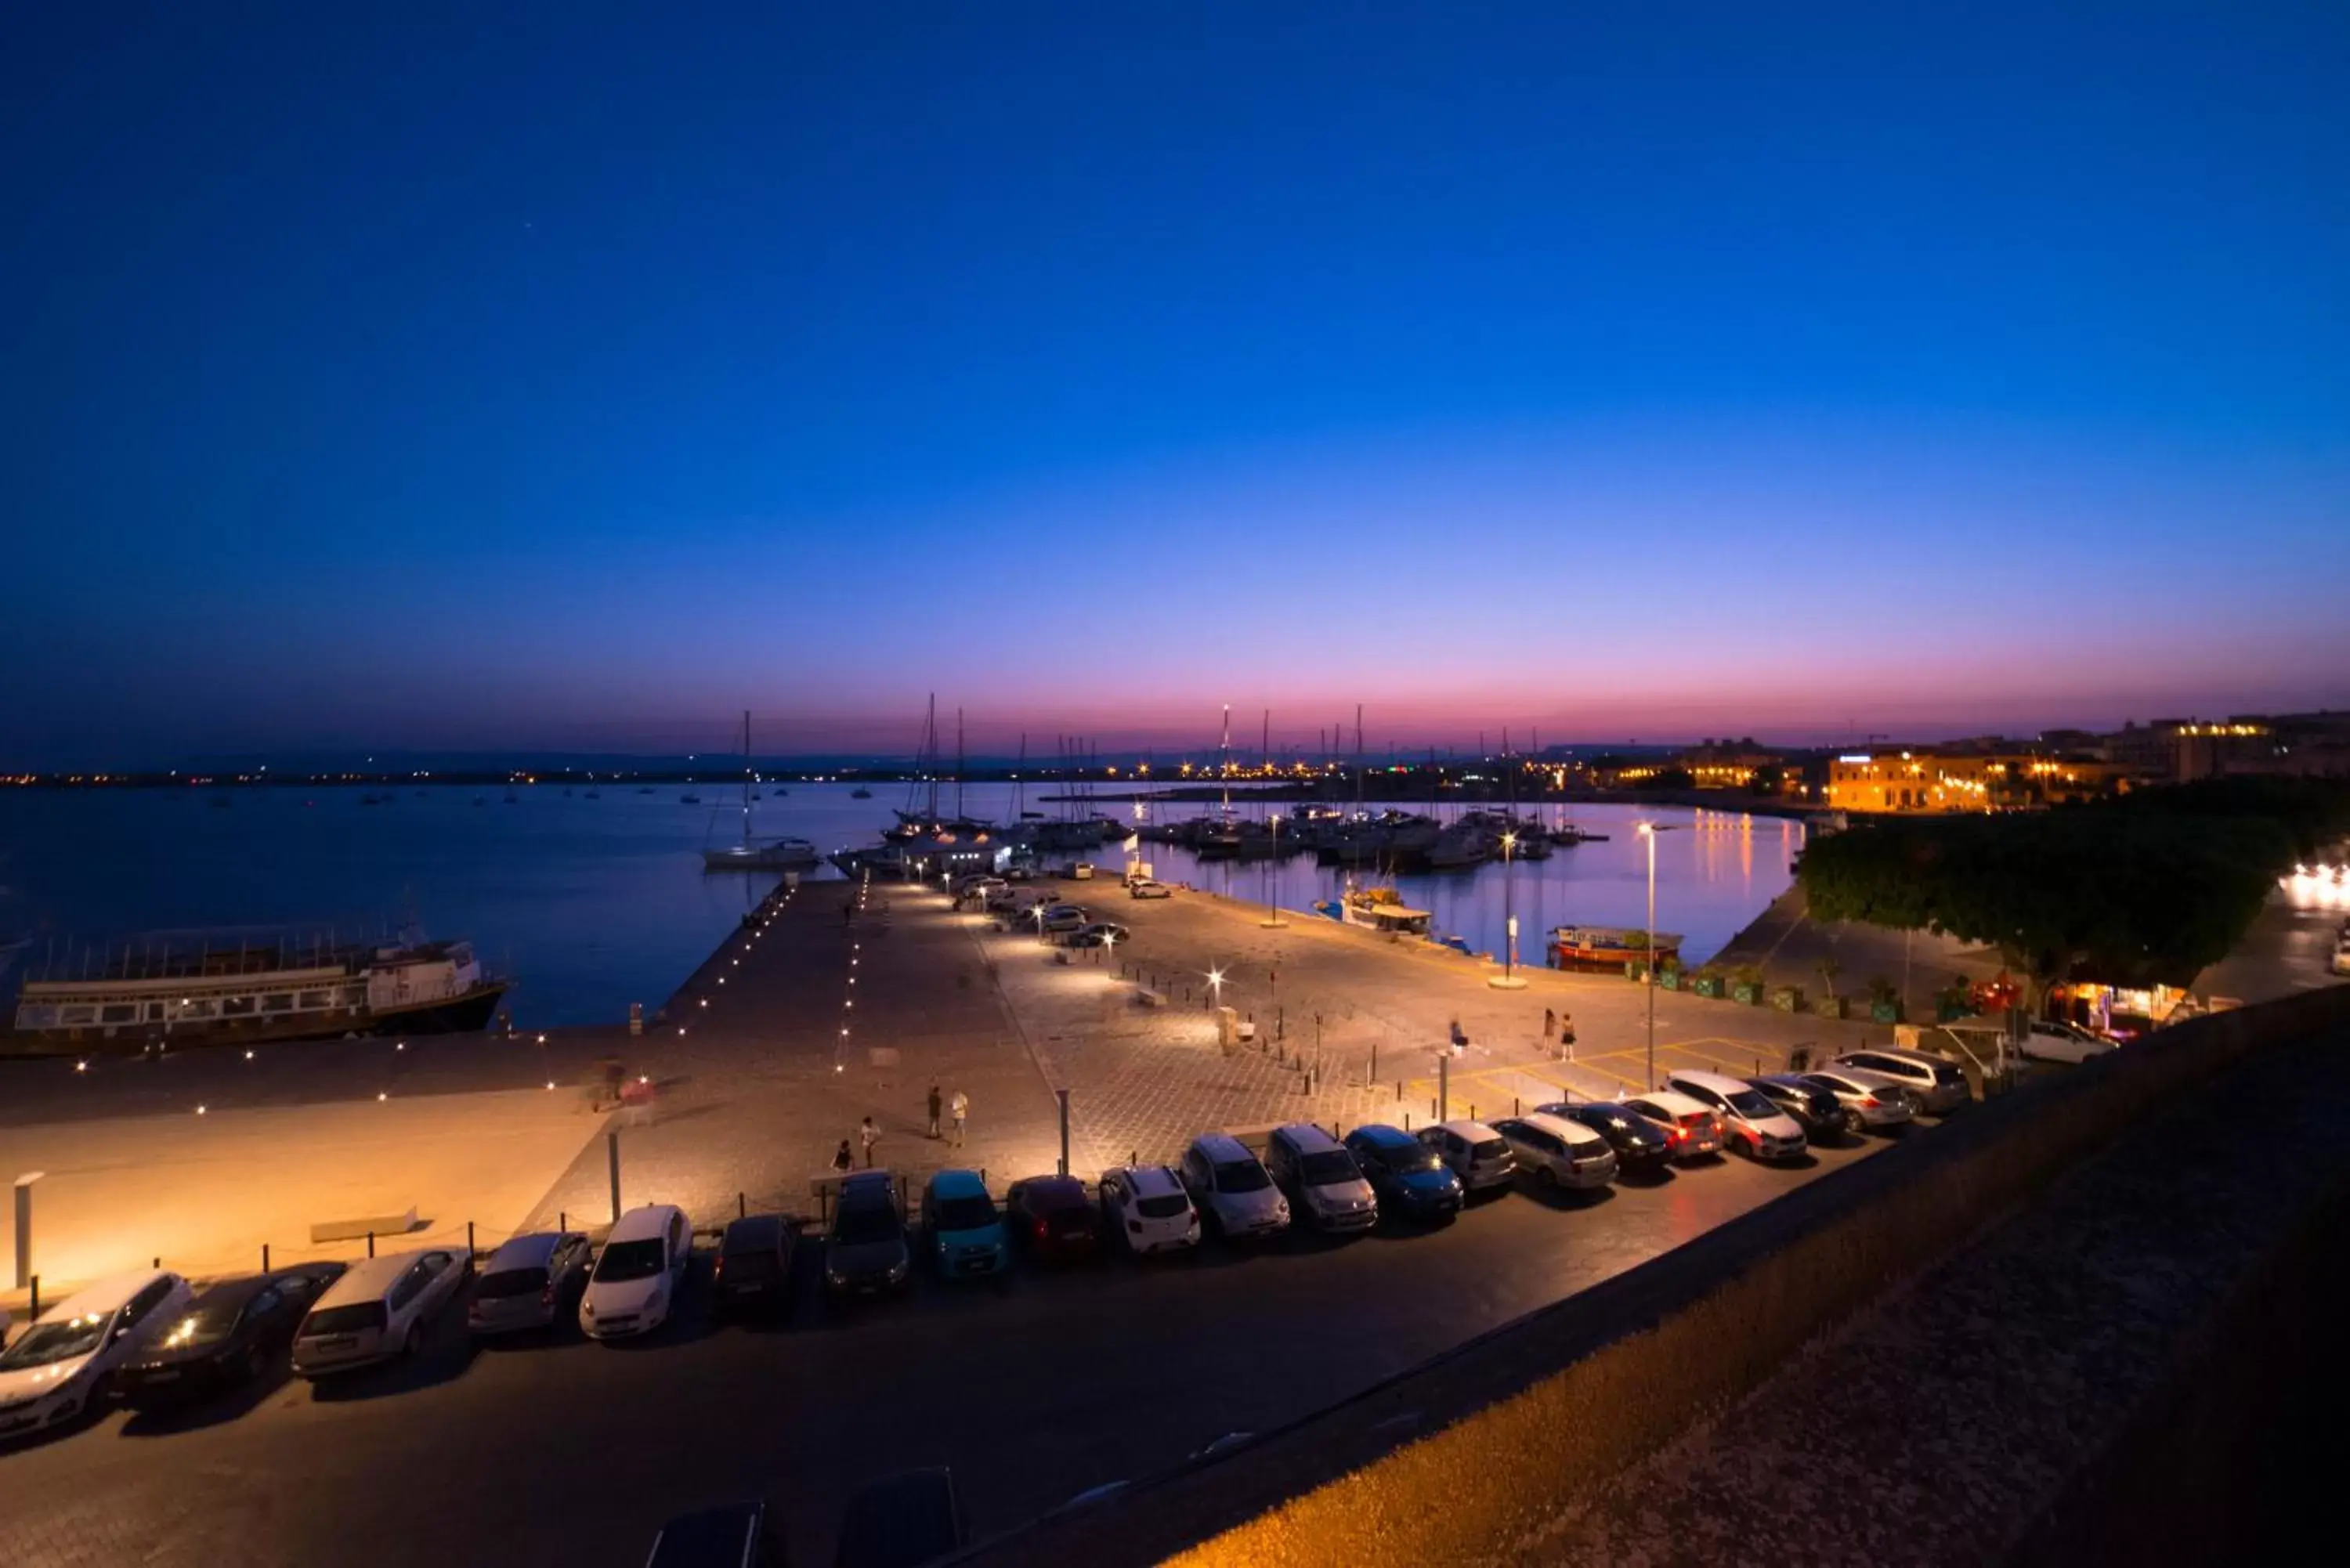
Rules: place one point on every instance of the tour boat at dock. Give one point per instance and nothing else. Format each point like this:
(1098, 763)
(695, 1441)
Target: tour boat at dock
(1377, 909)
(1605, 947)
(202, 990)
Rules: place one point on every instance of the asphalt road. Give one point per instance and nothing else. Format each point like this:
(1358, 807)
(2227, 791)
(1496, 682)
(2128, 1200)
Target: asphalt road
(1033, 1388)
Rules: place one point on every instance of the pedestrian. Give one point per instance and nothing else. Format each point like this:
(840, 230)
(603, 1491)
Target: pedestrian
(962, 1108)
(934, 1110)
(842, 1161)
(870, 1135)
(1565, 1028)
(1550, 1023)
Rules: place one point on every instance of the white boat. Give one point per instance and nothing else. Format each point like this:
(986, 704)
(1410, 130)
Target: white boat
(1377, 909)
(780, 854)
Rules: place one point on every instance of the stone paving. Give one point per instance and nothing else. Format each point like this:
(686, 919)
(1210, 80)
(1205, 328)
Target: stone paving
(1350, 1025)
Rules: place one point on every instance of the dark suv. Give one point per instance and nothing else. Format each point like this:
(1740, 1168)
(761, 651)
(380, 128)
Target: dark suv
(864, 1249)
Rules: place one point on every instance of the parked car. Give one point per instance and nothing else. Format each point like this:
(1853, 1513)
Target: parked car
(1472, 1151)
(1147, 1207)
(1146, 888)
(1320, 1179)
(1051, 1216)
(376, 1311)
(1816, 1110)
(529, 1283)
(734, 1537)
(1872, 1102)
(753, 1272)
(1938, 1086)
(1752, 1122)
(1694, 1129)
(1409, 1178)
(1060, 919)
(1231, 1186)
(1557, 1152)
(639, 1273)
(865, 1247)
(60, 1367)
(1101, 933)
(229, 1334)
(1642, 1147)
(2048, 1041)
(962, 1232)
(902, 1521)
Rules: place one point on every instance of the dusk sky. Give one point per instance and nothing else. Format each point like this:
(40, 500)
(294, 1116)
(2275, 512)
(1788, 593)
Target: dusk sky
(396, 376)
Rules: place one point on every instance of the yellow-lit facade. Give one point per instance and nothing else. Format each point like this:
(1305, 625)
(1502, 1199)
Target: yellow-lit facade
(1926, 782)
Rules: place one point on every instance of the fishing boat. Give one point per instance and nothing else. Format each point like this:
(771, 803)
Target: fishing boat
(860, 793)
(200, 989)
(1378, 909)
(782, 854)
(1605, 947)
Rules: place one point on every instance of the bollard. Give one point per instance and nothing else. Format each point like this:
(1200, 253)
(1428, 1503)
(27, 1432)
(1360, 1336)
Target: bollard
(370, 1243)
(1407, 1121)
(1513, 1105)
(1375, 1056)
(1473, 1110)
(1063, 1096)
(265, 1257)
(1399, 1091)
(563, 1218)
(36, 1308)
(612, 1159)
(741, 1206)
(469, 1240)
(156, 1264)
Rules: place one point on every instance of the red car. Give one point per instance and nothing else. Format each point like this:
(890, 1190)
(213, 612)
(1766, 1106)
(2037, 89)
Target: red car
(1052, 1218)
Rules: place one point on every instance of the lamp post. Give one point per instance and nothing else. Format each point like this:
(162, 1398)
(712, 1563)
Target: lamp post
(1509, 978)
(1649, 831)
(1272, 887)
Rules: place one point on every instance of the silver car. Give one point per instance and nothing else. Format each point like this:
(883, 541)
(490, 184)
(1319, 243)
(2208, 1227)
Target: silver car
(1556, 1152)
(1477, 1155)
(1938, 1086)
(1871, 1102)
(528, 1283)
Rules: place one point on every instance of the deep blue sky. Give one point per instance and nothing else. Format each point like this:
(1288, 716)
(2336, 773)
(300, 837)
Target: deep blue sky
(389, 375)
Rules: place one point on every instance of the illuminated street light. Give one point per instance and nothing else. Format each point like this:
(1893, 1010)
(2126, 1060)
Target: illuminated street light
(1649, 831)
(1508, 979)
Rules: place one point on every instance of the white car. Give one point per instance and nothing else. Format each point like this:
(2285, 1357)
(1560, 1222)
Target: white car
(1146, 1208)
(1751, 1122)
(1321, 1177)
(1062, 919)
(1695, 1129)
(1472, 1151)
(1146, 888)
(376, 1310)
(2047, 1042)
(635, 1283)
(1232, 1187)
(1558, 1152)
(1871, 1101)
(1938, 1086)
(58, 1370)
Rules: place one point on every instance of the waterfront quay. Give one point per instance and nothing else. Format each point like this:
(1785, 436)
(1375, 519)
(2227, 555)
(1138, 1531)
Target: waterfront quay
(1034, 1387)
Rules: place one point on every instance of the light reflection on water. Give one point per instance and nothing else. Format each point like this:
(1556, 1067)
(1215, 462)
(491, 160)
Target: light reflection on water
(596, 903)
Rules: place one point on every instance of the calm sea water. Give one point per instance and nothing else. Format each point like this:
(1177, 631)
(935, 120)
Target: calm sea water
(591, 904)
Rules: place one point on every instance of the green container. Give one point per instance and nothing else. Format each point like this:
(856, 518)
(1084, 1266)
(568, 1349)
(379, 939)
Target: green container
(1708, 985)
(1671, 979)
(1788, 999)
(1748, 993)
(1832, 1006)
(1884, 1012)
(1952, 1012)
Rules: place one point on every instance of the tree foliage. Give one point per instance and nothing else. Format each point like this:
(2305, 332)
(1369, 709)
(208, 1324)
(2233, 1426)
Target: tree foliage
(2153, 886)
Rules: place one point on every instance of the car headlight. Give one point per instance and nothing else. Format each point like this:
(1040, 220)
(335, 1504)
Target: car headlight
(587, 1307)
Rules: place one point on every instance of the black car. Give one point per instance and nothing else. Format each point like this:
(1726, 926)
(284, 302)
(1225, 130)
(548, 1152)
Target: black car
(734, 1537)
(1816, 1109)
(902, 1521)
(1641, 1150)
(229, 1336)
(753, 1271)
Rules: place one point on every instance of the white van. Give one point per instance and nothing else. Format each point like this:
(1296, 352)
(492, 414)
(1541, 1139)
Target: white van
(636, 1277)
(376, 1310)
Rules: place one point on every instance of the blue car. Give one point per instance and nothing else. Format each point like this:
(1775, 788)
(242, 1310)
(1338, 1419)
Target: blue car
(961, 1227)
(1411, 1178)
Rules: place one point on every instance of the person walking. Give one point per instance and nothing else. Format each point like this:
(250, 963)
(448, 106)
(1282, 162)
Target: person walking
(1550, 1023)
(869, 1135)
(934, 1110)
(962, 1108)
(843, 1162)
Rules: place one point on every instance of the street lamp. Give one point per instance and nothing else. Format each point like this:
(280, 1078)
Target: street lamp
(1649, 831)
(1216, 984)
(1272, 887)
(1509, 980)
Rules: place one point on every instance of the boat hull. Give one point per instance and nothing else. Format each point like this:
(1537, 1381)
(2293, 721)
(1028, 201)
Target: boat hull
(467, 1013)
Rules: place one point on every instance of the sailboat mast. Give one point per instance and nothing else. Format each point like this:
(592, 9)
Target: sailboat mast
(746, 778)
(1224, 760)
(958, 764)
(930, 751)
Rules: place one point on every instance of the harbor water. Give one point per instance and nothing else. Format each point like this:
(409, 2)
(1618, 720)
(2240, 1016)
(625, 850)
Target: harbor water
(592, 902)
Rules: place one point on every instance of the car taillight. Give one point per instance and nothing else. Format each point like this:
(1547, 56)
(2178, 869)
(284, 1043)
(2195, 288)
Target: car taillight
(1869, 1100)
(1040, 1227)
